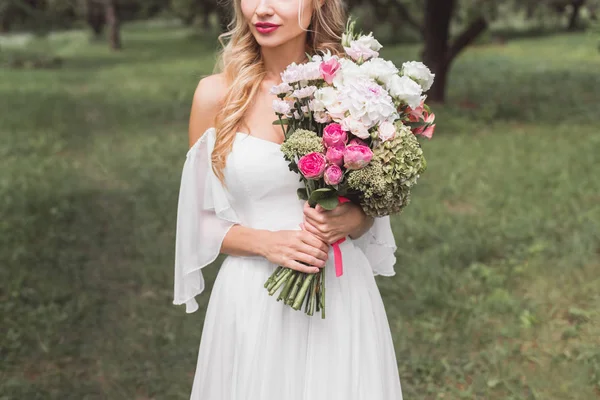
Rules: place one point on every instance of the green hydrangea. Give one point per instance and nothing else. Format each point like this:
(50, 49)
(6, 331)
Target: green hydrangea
(386, 182)
(300, 143)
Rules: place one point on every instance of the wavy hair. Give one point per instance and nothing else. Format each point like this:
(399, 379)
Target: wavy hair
(241, 62)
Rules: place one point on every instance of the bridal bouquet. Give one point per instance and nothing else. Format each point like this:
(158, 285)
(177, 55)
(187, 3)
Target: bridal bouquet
(350, 126)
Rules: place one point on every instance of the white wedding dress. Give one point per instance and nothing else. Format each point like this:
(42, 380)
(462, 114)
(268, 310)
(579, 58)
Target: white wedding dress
(253, 347)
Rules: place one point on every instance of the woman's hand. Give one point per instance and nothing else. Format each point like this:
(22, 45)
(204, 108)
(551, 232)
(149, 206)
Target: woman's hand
(346, 219)
(290, 248)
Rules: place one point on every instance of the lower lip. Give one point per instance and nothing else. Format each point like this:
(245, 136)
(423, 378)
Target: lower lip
(266, 30)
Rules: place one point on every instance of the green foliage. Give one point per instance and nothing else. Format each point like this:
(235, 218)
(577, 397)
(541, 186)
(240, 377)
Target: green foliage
(496, 295)
(186, 10)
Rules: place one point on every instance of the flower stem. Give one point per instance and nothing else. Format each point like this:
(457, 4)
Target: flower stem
(279, 277)
(302, 293)
(280, 282)
(297, 284)
(288, 286)
(273, 276)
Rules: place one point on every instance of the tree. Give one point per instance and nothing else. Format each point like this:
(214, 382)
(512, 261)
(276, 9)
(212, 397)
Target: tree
(114, 29)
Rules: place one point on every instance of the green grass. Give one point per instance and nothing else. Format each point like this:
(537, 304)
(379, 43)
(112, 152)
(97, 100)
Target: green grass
(497, 292)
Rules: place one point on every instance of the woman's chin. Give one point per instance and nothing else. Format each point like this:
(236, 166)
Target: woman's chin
(269, 42)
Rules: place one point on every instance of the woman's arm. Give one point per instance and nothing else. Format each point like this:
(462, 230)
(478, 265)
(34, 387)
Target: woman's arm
(282, 247)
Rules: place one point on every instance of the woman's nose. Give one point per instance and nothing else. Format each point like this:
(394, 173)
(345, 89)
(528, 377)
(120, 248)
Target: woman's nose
(264, 8)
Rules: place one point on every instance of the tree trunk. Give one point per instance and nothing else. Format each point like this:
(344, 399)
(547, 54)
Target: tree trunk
(95, 17)
(574, 18)
(439, 52)
(436, 32)
(112, 20)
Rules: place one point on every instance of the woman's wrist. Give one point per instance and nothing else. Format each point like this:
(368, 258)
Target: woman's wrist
(367, 223)
(244, 241)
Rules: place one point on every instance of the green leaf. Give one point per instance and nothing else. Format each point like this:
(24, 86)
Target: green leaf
(282, 122)
(302, 194)
(319, 194)
(328, 203)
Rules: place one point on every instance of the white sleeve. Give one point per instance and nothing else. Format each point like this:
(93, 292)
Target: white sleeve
(379, 246)
(204, 216)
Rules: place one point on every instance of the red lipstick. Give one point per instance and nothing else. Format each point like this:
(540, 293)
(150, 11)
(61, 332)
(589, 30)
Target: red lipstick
(265, 27)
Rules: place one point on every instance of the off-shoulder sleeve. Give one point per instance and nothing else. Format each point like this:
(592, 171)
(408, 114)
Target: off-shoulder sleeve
(204, 216)
(379, 246)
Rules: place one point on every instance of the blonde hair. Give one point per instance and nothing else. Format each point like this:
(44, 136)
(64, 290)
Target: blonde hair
(241, 62)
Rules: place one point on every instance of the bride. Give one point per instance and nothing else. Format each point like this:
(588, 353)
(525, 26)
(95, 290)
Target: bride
(238, 197)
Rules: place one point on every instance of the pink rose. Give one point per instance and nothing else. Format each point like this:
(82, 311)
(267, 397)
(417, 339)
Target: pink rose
(312, 165)
(329, 69)
(334, 135)
(357, 157)
(357, 141)
(335, 155)
(333, 175)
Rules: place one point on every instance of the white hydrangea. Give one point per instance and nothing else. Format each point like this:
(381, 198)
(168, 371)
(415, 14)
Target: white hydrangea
(380, 70)
(367, 102)
(405, 89)
(419, 73)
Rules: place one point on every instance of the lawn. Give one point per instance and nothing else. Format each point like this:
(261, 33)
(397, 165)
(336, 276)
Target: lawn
(497, 291)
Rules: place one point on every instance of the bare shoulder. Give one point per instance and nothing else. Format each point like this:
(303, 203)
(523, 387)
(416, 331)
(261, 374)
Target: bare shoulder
(207, 101)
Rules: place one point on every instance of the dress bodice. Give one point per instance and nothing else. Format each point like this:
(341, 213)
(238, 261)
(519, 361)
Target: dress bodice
(261, 188)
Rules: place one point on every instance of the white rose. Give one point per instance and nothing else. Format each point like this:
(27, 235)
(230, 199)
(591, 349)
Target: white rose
(419, 73)
(316, 105)
(337, 112)
(379, 69)
(405, 89)
(349, 72)
(356, 127)
(326, 96)
(282, 88)
(304, 92)
(387, 131)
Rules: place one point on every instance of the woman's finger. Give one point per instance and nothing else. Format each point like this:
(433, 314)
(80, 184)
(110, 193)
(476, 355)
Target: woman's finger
(306, 258)
(315, 215)
(301, 267)
(313, 239)
(308, 227)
